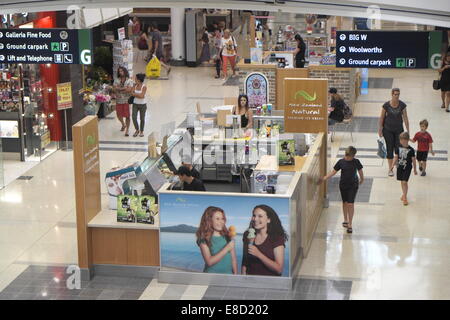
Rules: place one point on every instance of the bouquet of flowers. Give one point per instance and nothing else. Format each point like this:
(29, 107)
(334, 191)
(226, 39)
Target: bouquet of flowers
(100, 97)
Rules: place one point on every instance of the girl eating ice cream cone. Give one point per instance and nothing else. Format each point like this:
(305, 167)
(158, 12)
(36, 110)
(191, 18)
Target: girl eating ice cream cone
(216, 242)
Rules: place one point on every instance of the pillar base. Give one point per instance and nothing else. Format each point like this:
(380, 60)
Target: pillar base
(178, 63)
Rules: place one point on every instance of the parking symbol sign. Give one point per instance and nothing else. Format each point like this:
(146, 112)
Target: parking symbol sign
(64, 46)
(58, 58)
(410, 62)
(68, 58)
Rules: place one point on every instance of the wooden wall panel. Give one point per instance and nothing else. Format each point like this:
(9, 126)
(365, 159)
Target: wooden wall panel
(283, 74)
(86, 158)
(109, 246)
(143, 247)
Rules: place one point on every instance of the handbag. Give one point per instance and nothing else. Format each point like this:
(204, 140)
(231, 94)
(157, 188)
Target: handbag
(131, 100)
(436, 84)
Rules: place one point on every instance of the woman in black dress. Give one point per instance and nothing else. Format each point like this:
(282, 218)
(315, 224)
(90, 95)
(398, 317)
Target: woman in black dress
(299, 53)
(390, 125)
(445, 82)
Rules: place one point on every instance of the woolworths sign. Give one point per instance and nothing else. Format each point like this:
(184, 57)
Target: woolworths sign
(54, 46)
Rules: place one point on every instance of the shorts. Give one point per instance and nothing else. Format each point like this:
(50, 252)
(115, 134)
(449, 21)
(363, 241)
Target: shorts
(123, 110)
(403, 174)
(348, 194)
(422, 155)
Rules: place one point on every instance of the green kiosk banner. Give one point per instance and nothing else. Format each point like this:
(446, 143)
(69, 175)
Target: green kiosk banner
(55, 46)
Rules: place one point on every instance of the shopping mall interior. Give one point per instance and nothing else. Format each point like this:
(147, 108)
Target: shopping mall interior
(92, 208)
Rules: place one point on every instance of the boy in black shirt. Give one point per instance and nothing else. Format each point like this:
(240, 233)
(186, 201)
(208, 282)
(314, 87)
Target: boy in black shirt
(189, 182)
(348, 184)
(405, 158)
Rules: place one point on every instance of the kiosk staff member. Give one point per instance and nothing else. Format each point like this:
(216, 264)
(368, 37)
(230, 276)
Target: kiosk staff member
(187, 162)
(189, 182)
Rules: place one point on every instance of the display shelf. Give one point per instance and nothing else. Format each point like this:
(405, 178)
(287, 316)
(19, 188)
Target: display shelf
(123, 56)
(108, 219)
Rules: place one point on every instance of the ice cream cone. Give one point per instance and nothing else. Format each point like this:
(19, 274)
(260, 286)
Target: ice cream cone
(251, 235)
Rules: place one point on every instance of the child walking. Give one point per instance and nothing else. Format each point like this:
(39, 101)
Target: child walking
(425, 145)
(405, 158)
(216, 245)
(348, 184)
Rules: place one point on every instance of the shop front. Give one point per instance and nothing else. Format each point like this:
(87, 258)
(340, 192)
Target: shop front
(30, 126)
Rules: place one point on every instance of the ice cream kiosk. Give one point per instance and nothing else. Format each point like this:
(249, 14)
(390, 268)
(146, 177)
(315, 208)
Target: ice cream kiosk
(257, 238)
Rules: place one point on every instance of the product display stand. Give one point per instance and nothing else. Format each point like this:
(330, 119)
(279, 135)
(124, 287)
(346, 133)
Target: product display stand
(123, 56)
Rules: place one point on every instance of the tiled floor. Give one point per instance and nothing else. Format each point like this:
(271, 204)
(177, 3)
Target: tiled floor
(395, 252)
(49, 283)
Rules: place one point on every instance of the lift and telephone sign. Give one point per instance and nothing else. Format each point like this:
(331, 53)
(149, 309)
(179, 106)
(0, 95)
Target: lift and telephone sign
(382, 49)
(54, 46)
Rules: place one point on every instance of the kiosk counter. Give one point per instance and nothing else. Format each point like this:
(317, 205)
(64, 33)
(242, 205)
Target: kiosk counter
(170, 248)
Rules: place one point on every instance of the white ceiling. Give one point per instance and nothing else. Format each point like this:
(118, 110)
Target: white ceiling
(436, 12)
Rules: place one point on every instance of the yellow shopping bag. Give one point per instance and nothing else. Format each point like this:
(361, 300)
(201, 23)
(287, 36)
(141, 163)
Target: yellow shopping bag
(153, 69)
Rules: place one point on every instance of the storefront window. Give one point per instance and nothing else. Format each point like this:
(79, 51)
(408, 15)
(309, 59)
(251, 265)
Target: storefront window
(23, 117)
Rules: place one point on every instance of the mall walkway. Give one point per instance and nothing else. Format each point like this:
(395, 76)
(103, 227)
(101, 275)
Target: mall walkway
(395, 252)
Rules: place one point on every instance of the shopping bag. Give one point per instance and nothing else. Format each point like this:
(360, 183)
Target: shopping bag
(381, 148)
(153, 69)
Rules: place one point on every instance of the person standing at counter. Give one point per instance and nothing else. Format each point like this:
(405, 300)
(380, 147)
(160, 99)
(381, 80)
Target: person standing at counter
(123, 87)
(300, 52)
(189, 182)
(216, 246)
(139, 104)
(390, 125)
(348, 184)
(244, 111)
(264, 256)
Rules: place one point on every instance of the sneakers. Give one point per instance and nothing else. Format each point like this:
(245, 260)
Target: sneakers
(423, 174)
(391, 173)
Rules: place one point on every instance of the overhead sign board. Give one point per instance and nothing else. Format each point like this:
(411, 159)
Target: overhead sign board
(54, 46)
(382, 49)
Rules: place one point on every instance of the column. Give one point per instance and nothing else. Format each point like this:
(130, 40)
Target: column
(178, 36)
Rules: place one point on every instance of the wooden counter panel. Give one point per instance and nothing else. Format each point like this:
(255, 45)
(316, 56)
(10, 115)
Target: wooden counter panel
(283, 74)
(125, 246)
(143, 247)
(242, 65)
(109, 246)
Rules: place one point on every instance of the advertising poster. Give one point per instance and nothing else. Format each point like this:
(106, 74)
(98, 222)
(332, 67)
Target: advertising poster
(147, 210)
(64, 94)
(286, 152)
(126, 208)
(257, 89)
(224, 235)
